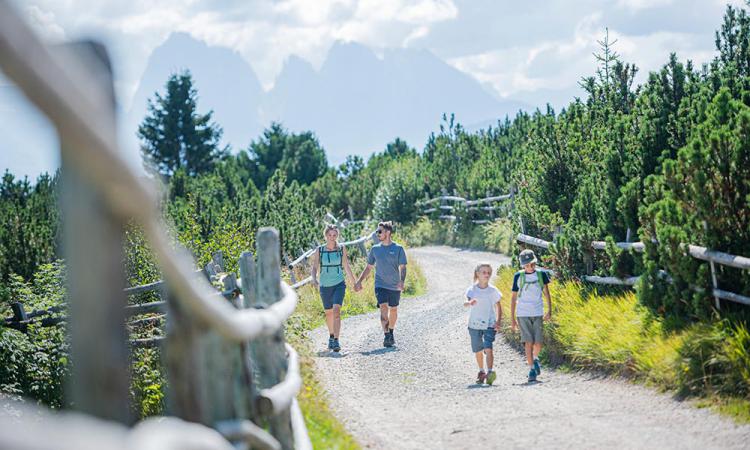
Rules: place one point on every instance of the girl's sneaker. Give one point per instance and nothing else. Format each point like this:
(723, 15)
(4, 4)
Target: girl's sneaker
(532, 375)
(481, 376)
(491, 377)
(537, 367)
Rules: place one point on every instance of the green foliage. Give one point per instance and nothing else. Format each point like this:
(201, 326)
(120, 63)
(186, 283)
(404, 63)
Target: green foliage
(35, 364)
(702, 196)
(299, 156)
(399, 190)
(30, 229)
(174, 136)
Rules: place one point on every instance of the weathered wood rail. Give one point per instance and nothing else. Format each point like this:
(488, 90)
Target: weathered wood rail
(696, 251)
(230, 375)
(470, 205)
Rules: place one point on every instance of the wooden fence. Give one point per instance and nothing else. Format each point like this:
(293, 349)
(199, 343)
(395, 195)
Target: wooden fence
(490, 207)
(230, 374)
(711, 256)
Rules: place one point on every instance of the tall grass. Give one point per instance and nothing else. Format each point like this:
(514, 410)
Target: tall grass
(614, 333)
(495, 236)
(324, 429)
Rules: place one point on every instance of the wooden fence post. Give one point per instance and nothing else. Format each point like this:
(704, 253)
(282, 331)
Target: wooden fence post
(93, 243)
(269, 353)
(489, 205)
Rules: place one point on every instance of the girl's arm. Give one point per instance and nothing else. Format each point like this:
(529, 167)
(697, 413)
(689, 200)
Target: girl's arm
(469, 302)
(347, 267)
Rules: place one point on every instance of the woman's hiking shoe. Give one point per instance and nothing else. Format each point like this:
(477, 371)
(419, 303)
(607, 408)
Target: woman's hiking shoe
(537, 367)
(532, 375)
(481, 376)
(330, 343)
(336, 346)
(491, 377)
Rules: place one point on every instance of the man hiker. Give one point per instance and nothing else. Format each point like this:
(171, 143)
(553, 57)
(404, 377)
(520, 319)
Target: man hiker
(389, 260)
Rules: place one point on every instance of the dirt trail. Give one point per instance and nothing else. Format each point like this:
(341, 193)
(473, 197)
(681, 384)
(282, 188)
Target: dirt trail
(420, 394)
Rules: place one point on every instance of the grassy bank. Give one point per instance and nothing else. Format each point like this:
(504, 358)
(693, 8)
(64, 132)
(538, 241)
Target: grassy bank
(613, 333)
(325, 430)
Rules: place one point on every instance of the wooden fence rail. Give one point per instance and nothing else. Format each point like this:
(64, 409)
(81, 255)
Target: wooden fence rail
(698, 252)
(212, 345)
(470, 205)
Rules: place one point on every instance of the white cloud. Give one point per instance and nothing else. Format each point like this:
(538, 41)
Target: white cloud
(637, 5)
(45, 23)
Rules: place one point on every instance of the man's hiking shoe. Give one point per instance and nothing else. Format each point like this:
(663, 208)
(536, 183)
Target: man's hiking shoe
(387, 341)
(532, 375)
(481, 376)
(537, 367)
(330, 343)
(336, 346)
(491, 377)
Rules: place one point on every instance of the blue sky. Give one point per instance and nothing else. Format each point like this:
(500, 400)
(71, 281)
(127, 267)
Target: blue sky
(533, 51)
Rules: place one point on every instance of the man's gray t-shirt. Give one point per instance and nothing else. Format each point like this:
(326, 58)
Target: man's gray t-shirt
(386, 259)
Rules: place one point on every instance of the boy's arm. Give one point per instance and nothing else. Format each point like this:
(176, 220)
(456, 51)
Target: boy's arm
(548, 316)
(513, 299)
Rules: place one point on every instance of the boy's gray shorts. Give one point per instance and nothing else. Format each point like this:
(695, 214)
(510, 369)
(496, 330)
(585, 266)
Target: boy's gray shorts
(531, 329)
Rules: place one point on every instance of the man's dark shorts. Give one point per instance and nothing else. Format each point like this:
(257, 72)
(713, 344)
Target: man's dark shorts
(333, 295)
(387, 296)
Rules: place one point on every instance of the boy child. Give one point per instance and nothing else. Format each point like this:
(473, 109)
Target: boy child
(529, 285)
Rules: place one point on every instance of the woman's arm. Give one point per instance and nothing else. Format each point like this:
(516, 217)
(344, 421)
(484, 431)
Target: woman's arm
(314, 268)
(347, 267)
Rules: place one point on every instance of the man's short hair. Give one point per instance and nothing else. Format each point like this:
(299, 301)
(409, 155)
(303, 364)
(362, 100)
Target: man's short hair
(387, 226)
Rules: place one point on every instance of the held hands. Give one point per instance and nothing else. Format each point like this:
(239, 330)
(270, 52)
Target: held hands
(513, 324)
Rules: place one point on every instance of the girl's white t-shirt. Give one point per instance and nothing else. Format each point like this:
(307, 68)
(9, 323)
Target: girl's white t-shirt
(482, 314)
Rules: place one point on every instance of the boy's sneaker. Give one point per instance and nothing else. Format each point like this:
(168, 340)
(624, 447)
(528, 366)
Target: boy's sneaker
(532, 375)
(330, 343)
(481, 376)
(491, 377)
(537, 367)
(336, 346)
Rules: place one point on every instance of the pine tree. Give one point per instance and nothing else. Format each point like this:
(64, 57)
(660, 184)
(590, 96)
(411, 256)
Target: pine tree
(174, 136)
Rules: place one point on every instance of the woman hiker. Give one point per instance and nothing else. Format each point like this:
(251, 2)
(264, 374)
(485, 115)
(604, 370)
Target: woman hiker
(332, 260)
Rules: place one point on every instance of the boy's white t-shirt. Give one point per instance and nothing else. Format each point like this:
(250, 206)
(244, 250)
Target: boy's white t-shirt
(482, 314)
(529, 299)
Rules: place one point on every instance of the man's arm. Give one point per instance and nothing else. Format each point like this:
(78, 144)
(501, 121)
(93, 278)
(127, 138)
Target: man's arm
(402, 272)
(363, 277)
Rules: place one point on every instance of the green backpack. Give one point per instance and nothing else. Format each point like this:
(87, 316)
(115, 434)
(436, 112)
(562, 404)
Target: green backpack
(522, 278)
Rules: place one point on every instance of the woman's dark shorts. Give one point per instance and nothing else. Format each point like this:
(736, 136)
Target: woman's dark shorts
(333, 295)
(387, 296)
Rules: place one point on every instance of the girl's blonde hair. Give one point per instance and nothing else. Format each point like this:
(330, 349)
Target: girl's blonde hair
(330, 227)
(478, 268)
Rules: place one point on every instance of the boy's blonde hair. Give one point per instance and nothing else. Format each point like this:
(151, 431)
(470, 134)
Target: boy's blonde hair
(478, 268)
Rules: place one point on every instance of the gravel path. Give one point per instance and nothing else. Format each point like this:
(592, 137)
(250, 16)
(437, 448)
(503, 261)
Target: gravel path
(420, 394)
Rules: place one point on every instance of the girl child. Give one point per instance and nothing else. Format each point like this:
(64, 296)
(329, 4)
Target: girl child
(332, 260)
(484, 320)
